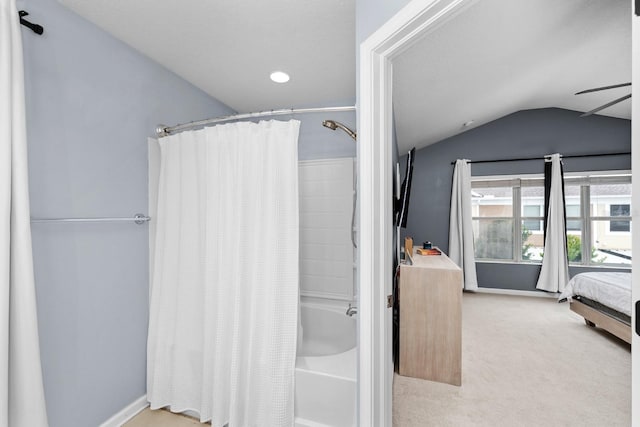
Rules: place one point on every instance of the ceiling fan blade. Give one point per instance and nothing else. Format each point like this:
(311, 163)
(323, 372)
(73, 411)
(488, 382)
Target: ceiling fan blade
(607, 105)
(596, 89)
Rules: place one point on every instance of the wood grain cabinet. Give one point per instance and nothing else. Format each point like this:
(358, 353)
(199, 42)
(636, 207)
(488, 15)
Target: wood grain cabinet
(430, 324)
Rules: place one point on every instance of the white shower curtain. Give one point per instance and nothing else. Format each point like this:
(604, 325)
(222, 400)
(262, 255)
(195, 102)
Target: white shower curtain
(554, 273)
(224, 301)
(21, 391)
(461, 226)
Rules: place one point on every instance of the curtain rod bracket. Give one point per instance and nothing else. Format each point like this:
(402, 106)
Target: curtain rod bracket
(140, 218)
(38, 29)
(162, 130)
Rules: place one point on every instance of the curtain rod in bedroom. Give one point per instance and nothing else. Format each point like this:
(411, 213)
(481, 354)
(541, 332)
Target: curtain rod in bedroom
(163, 130)
(518, 159)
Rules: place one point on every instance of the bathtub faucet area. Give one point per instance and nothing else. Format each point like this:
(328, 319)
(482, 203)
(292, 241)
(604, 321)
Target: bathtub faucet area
(351, 310)
(326, 368)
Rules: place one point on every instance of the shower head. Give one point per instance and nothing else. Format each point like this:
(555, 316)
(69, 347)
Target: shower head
(329, 124)
(333, 125)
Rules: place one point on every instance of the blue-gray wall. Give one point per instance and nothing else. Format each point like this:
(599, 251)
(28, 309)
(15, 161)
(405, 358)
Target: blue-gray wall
(91, 104)
(530, 133)
(318, 142)
(372, 14)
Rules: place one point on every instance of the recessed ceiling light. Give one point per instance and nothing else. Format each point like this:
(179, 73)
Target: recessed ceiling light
(279, 77)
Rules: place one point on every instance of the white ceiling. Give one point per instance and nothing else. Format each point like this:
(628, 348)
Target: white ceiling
(495, 58)
(228, 48)
(498, 57)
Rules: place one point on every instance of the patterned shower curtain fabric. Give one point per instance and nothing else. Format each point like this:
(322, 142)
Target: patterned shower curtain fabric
(224, 314)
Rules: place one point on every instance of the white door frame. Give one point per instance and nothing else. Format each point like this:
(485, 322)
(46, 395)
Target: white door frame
(374, 117)
(375, 368)
(635, 203)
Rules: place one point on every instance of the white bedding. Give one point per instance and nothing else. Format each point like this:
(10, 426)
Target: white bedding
(610, 289)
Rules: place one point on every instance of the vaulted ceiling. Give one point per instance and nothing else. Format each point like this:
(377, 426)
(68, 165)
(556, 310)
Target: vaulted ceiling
(498, 57)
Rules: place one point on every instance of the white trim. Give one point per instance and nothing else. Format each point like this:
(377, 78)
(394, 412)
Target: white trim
(532, 176)
(375, 369)
(329, 161)
(127, 413)
(514, 292)
(326, 295)
(635, 213)
(374, 112)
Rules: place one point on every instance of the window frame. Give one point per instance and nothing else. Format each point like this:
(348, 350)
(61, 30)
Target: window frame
(540, 225)
(584, 180)
(515, 182)
(618, 232)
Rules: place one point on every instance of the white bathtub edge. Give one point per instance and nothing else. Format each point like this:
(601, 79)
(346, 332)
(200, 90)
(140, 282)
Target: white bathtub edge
(301, 422)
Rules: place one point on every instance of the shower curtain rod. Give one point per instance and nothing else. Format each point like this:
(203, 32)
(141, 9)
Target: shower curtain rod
(164, 130)
(137, 218)
(540, 158)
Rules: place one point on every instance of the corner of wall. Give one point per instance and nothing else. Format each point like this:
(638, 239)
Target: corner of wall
(127, 413)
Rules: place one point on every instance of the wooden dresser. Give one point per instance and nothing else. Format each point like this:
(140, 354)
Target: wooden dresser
(430, 325)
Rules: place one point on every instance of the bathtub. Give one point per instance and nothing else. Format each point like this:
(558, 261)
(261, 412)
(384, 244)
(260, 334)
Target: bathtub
(325, 381)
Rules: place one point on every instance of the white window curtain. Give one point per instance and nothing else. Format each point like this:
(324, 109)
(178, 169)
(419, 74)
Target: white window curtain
(224, 299)
(554, 273)
(461, 225)
(21, 390)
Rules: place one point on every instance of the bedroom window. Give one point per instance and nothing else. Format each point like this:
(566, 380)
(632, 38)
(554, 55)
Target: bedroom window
(574, 222)
(610, 225)
(493, 222)
(620, 210)
(508, 218)
(532, 211)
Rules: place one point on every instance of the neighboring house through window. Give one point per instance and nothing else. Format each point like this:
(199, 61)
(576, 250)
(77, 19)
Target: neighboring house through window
(532, 211)
(620, 210)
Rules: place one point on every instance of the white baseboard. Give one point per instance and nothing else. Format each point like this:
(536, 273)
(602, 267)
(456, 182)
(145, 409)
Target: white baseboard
(127, 413)
(517, 293)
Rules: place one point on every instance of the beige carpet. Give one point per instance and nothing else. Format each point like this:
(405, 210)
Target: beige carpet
(526, 362)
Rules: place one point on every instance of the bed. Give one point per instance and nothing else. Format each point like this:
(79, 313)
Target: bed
(603, 299)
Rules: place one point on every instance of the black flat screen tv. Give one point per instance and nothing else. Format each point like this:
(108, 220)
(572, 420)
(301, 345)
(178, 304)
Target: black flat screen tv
(402, 203)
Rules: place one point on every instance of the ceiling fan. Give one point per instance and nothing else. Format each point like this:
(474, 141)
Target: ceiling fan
(608, 104)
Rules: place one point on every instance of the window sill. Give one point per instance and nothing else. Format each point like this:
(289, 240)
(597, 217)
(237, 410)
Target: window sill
(606, 266)
(505, 261)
